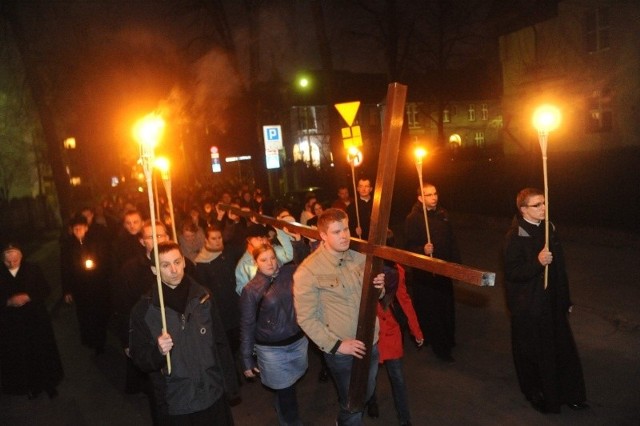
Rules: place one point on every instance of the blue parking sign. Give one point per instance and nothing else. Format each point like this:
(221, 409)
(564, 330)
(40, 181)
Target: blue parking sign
(272, 137)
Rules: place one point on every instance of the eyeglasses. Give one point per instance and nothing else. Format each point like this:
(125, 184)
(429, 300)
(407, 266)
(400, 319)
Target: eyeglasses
(149, 237)
(536, 205)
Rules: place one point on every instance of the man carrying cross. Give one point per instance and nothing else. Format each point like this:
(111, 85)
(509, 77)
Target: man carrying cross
(327, 289)
(376, 252)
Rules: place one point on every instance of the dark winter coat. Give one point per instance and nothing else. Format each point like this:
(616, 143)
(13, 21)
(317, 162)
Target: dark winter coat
(267, 313)
(524, 275)
(440, 230)
(202, 368)
(29, 359)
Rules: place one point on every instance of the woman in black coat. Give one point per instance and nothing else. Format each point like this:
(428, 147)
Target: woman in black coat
(29, 359)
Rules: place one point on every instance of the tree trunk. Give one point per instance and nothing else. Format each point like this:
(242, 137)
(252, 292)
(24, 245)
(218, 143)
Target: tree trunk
(45, 114)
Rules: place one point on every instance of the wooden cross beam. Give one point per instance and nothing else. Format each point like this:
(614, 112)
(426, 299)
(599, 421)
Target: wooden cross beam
(375, 249)
(380, 213)
(466, 274)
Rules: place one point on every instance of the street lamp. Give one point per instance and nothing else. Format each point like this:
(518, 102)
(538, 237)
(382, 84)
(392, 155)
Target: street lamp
(420, 153)
(162, 164)
(304, 83)
(546, 118)
(148, 131)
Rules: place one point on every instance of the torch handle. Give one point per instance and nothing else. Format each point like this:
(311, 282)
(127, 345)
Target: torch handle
(543, 147)
(355, 192)
(147, 160)
(424, 206)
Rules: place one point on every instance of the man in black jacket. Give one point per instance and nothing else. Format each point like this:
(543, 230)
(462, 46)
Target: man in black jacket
(202, 374)
(215, 269)
(544, 351)
(364, 202)
(433, 294)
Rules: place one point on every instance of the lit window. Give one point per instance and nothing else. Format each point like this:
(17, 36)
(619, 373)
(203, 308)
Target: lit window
(446, 118)
(484, 112)
(69, 143)
(598, 114)
(472, 112)
(479, 139)
(301, 153)
(597, 29)
(412, 116)
(455, 141)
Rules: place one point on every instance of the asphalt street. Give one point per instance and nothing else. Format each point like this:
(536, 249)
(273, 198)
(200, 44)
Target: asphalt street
(480, 388)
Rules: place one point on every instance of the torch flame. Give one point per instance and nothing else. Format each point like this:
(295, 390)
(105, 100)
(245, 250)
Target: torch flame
(420, 153)
(546, 118)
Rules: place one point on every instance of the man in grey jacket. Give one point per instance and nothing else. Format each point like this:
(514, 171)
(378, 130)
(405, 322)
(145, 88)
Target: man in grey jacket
(327, 288)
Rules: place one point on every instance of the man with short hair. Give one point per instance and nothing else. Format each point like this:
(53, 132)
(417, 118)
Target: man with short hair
(433, 297)
(327, 290)
(544, 351)
(85, 267)
(191, 240)
(215, 269)
(126, 244)
(202, 370)
(132, 280)
(344, 199)
(364, 201)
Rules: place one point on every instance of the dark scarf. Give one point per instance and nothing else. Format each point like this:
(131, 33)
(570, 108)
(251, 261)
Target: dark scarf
(176, 298)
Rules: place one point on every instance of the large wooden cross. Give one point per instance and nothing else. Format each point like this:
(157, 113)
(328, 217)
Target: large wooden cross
(375, 248)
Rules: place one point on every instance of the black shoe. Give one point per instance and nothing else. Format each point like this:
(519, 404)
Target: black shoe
(372, 410)
(52, 393)
(538, 403)
(539, 406)
(577, 406)
(33, 394)
(323, 377)
(446, 358)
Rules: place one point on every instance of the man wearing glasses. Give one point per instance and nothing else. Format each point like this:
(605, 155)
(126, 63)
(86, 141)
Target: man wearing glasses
(134, 279)
(544, 351)
(433, 297)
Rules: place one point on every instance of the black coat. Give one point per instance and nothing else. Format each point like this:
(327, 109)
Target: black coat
(29, 359)
(433, 296)
(89, 286)
(85, 283)
(364, 211)
(219, 277)
(440, 230)
(202, 364)
(524, 275)
(544, 351)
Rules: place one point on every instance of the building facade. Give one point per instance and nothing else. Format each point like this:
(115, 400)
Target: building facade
(586, 61)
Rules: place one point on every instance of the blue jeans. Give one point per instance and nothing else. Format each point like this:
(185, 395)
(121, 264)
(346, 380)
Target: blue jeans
(398, 389)
(340, 367)
(287, 407)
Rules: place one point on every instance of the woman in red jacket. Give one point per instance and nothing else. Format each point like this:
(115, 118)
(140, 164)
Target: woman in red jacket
(390, 343)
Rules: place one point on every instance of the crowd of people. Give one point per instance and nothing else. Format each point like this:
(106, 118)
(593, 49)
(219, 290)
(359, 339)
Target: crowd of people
(231, 299)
